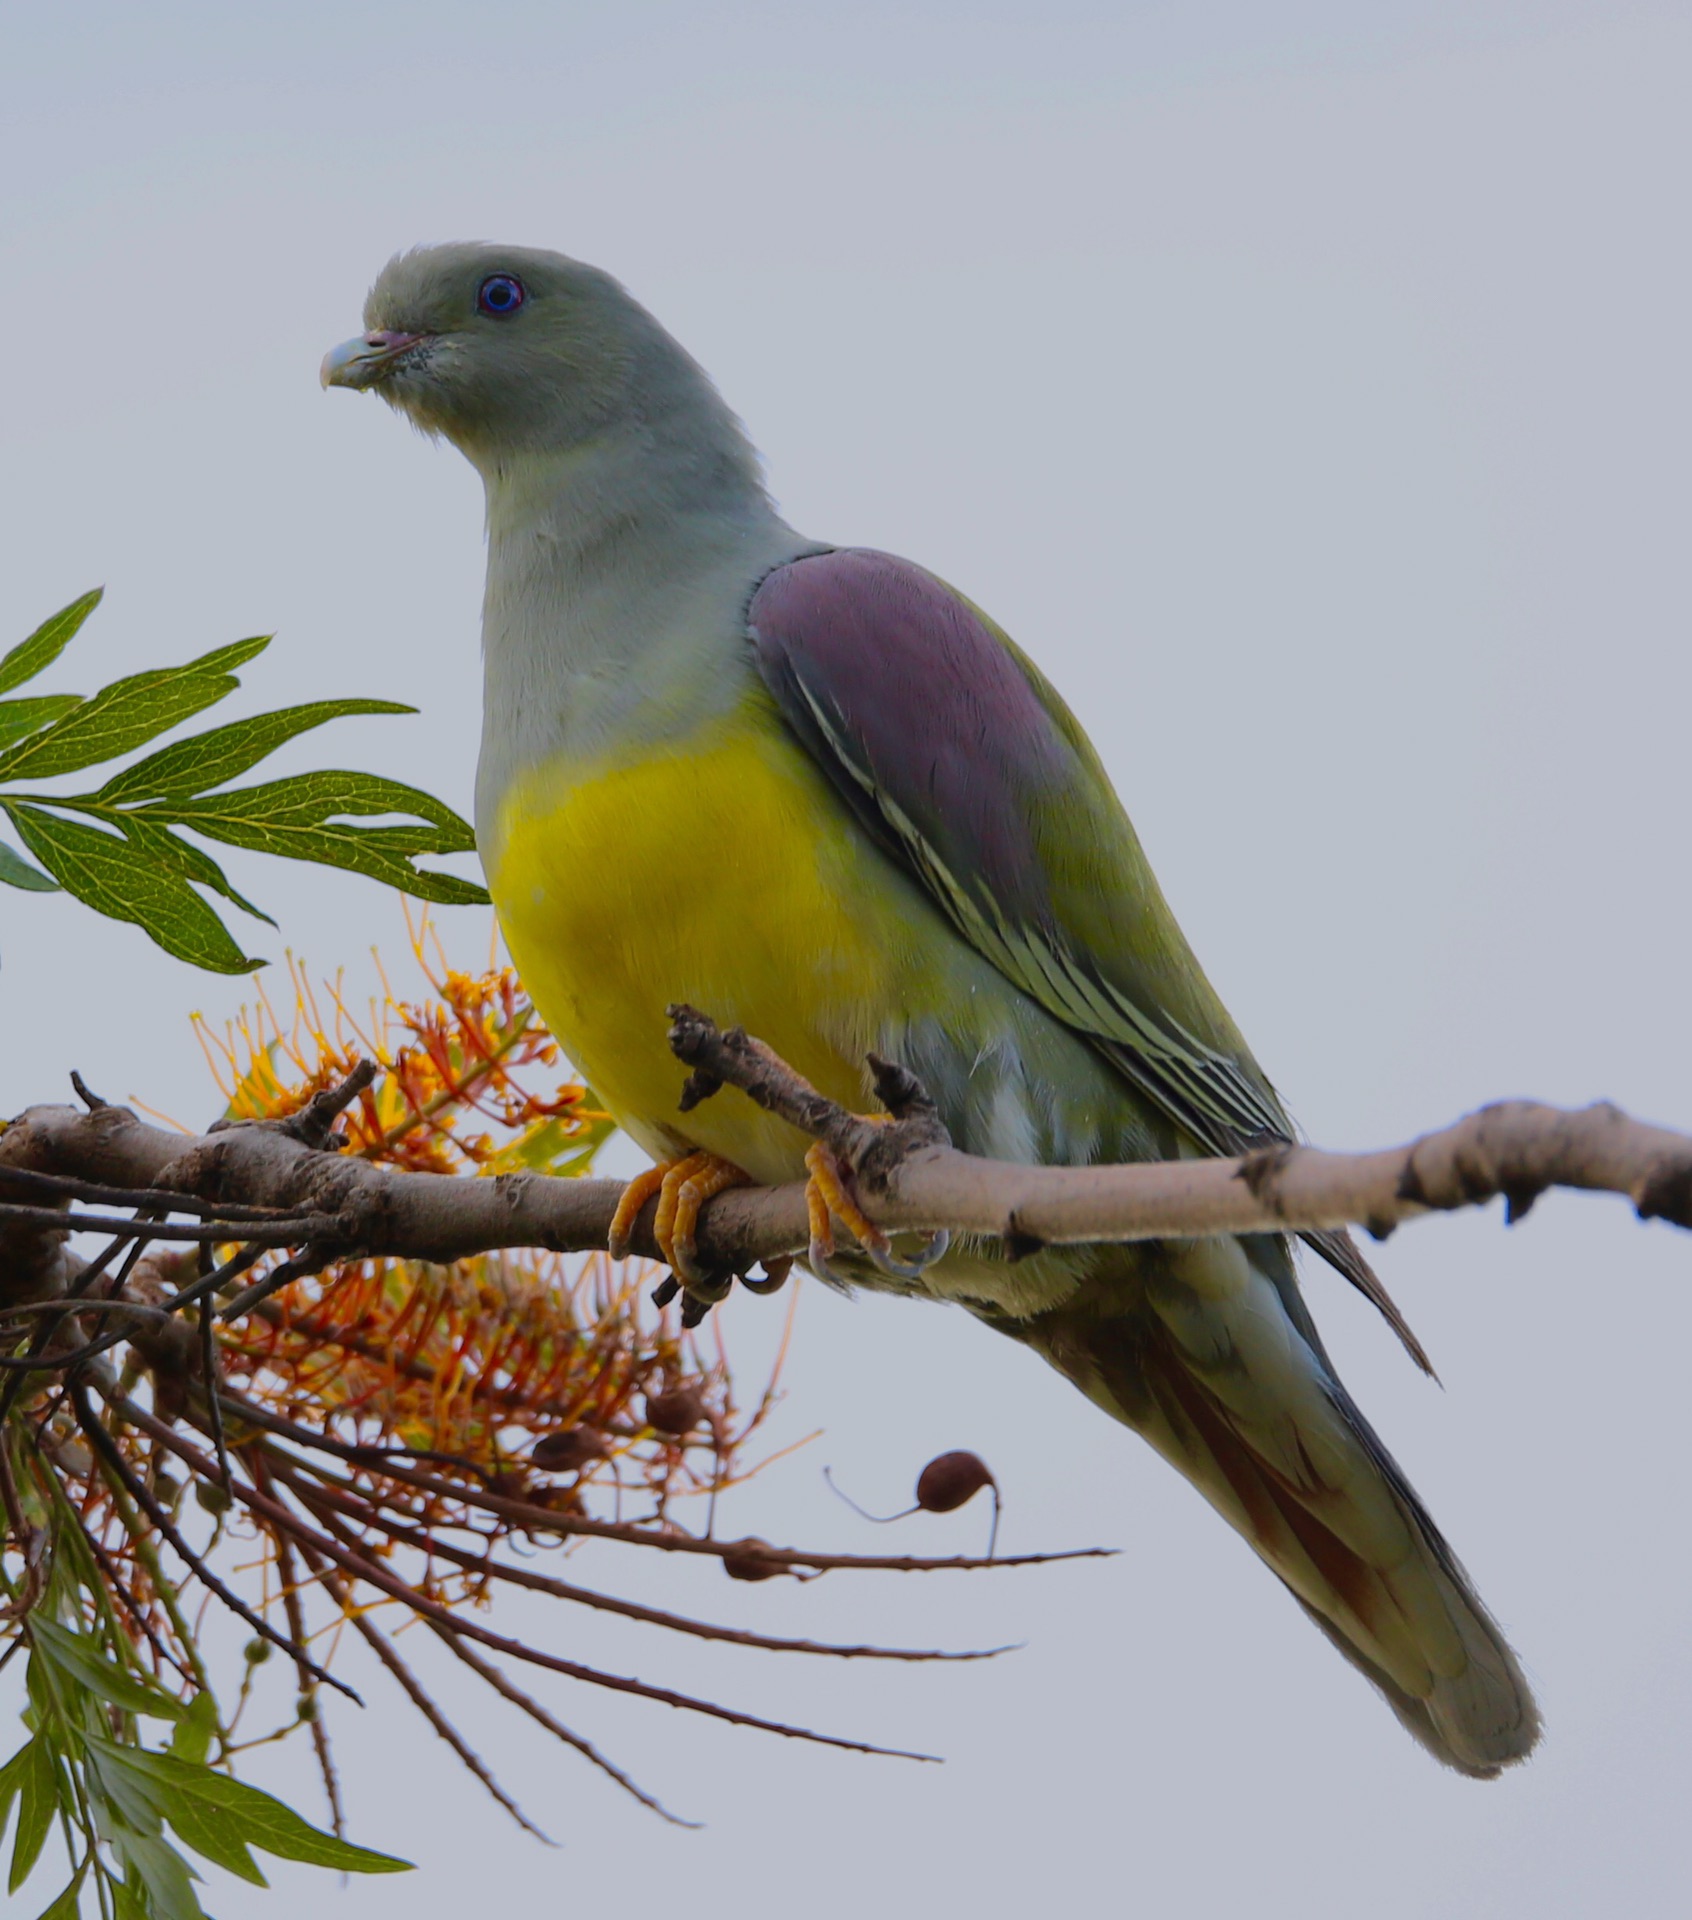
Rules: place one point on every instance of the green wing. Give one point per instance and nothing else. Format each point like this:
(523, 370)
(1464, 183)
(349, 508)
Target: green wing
(959, 757)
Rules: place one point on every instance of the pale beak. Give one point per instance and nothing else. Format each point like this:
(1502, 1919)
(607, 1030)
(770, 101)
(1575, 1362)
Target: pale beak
(366, 360)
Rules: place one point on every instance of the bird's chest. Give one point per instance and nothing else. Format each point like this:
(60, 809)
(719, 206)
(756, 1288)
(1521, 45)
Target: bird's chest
(722, 872)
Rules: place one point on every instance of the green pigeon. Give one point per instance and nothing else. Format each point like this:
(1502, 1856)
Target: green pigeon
(817, 792)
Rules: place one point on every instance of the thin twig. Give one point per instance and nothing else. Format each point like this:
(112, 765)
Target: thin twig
(101, 1193)
(363, 1566)
(208, 1377)
(301, 1266)
(294, 1611)
(509, 1690)
(279, 1230)
(434, 1613)
(107, 1448)
(546, 1520)
(369, 1514)
(91, 1101)
(235, 1265)
(113, 1577)
(383, 1648)
(163, 1587)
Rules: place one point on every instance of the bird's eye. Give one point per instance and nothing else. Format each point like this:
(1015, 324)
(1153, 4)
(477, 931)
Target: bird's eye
(500, 294)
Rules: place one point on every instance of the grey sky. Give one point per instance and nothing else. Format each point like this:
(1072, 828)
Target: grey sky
(1306, 388)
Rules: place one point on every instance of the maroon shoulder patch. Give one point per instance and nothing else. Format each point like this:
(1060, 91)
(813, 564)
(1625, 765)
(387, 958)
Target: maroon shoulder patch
(913, 706)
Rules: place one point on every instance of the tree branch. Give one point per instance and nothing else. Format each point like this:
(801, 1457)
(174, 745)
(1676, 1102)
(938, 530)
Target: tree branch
(910, 1180)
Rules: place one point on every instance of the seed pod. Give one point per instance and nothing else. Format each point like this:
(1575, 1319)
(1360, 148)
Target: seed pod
(951, 1479)
(256, 1652)
(677, 1409)
(570, 1450)
(213, 1495)
(748, 1560)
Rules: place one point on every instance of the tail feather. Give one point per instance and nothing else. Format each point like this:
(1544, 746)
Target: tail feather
(1412, 1714)
(1212, 1370)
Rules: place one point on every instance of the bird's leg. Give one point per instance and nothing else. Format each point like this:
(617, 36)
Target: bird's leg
(635, 1196)
(682, 1186)
(703, 1177)
(829, 1197)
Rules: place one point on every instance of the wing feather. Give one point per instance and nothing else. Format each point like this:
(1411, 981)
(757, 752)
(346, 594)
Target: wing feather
(963, 763)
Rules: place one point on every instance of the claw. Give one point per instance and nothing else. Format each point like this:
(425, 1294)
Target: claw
(682, 1186)
(828, 1197)
(775, 1276)
(932, 1249)
(701, 1177)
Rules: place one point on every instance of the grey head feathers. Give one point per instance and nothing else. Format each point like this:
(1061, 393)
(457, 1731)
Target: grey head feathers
(519, 355)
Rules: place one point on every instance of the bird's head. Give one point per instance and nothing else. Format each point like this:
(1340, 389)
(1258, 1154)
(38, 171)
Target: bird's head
(503, 349)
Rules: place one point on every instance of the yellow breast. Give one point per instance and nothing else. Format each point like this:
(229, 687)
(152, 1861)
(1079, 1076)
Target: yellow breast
(723, 872)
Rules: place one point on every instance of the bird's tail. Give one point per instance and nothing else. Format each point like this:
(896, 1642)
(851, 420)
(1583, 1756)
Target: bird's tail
(1220, 1368)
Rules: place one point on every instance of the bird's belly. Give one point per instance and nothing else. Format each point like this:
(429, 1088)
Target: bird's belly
(723, 873)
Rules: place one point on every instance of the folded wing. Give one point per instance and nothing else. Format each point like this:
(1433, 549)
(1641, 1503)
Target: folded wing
(962, 761)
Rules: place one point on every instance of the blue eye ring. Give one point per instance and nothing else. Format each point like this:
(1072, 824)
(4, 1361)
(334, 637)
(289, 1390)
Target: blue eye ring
(500, 295)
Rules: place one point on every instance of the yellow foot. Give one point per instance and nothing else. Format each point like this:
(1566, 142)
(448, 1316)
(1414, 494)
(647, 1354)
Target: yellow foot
(683, 1186)
(829, 1197)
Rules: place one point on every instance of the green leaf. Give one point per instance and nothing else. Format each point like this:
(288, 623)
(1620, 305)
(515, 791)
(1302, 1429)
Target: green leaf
(126, 713)
(556, 1146)
(227, 659)
(127, 1800)
(115, 879)
(47, 642)
(259, 1819)
(17, 872)
(11, 1778)
(149, 876)
(129, 1903)
(18, 717)
(299, 819)
(35, 1814)
(206, 1829)
(208, 759)
(165, 849)
(80, 1657)
(69, 1903)
(192, 1738)
(166, 1878)
(312, 799)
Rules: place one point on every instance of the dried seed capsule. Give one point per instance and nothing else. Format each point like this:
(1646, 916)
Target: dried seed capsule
(570, 1450)
(677, 1409)
(748, 1560)
(951, 1479)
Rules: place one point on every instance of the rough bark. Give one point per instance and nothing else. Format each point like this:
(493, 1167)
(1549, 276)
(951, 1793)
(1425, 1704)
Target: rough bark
(275, 1184)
